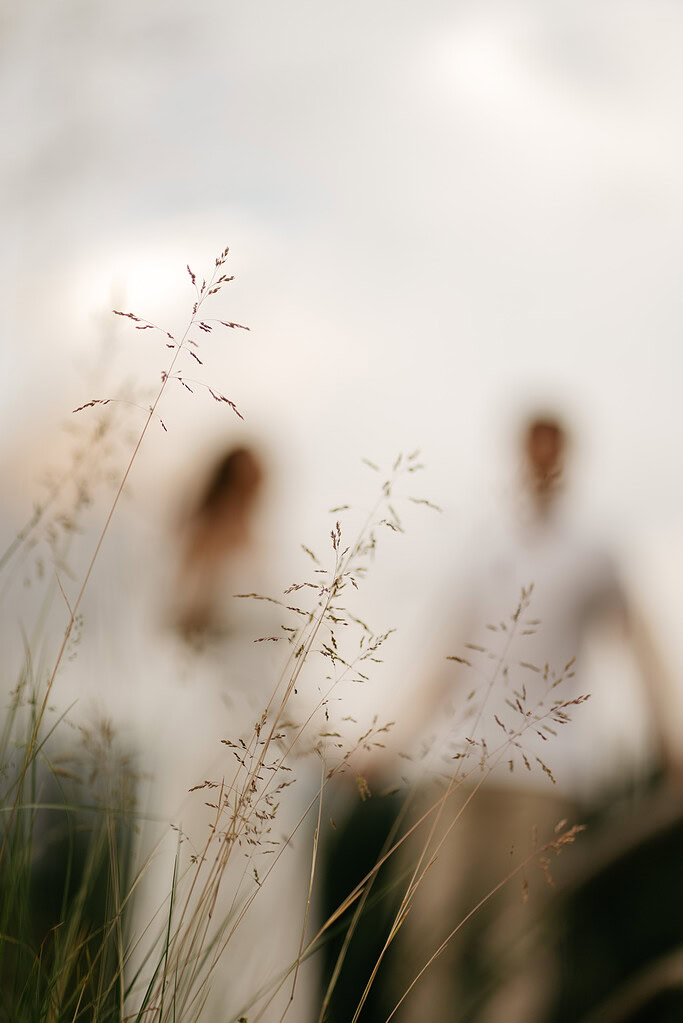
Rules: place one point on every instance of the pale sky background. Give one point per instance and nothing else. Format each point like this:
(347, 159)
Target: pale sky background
(438, 213)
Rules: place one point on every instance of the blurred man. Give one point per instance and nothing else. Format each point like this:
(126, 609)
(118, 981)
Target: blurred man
(537, 585)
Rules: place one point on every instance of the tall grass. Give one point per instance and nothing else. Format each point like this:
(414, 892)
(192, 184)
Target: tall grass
(67, 950)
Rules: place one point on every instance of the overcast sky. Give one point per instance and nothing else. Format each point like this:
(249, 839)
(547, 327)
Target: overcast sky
(438, 214)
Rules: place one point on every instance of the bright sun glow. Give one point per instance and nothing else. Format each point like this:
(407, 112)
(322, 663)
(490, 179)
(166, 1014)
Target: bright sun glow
(481, 62)
(146, 280)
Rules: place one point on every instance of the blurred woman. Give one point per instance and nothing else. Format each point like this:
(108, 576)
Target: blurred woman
(216, 535)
